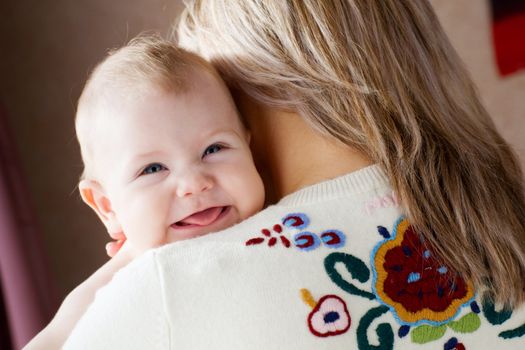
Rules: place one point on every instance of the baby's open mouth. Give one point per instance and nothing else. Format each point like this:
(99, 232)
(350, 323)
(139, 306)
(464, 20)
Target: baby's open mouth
(202, 218)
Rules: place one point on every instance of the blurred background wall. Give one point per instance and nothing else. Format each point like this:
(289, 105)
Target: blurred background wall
(46, 51)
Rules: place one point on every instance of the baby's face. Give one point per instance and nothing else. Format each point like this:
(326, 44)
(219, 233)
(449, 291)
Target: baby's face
(177, 166)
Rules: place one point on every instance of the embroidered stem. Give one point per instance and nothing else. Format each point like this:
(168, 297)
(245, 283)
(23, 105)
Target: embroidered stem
(494, 317)
(384, 331)
(357, 269)
(513, 333)
(308, 298)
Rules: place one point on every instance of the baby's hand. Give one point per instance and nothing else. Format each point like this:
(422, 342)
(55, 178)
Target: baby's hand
(113, 247)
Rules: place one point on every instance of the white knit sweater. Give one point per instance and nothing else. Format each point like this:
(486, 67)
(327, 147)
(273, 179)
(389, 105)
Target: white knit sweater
(332, 266)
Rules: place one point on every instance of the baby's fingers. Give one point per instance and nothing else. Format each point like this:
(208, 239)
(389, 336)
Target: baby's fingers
(113, 247)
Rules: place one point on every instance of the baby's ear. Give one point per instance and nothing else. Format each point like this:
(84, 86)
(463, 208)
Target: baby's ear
(93, 195)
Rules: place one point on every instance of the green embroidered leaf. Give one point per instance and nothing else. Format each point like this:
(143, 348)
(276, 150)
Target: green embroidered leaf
(466, 324)
(424, 334)
(355, 266)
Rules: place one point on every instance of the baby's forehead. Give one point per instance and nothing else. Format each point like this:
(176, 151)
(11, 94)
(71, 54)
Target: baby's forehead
(128, 76)
(117, 102)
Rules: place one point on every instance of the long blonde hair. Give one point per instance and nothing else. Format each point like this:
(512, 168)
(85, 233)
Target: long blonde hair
(381, 76)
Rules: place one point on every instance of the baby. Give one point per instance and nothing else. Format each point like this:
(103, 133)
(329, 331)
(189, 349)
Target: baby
(166, 155)
(166, 159)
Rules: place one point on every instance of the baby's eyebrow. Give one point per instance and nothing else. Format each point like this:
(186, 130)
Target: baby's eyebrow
(140, 156)
(219, 132)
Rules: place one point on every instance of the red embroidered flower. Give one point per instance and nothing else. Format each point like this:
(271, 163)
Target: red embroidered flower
(329, 316)
(295, 220)
(272, 240)
(410, 279)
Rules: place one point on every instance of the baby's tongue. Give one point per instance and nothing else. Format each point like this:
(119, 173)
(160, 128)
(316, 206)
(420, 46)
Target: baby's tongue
(202, 218)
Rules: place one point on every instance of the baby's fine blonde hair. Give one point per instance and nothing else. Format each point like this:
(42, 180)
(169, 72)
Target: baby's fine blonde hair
(381, 77)
(147, 62)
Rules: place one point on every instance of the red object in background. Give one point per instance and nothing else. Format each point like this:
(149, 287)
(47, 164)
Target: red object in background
(509, 34)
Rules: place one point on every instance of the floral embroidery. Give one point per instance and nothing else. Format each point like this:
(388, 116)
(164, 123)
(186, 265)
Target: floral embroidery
(388, 200)
(309, 241)
(499, 317)
(425, 333)
(424, 296)
(412, 282)
(406, 246)
(272, 240)
(333, 238)
(306, 241)
(403, 331)
(296, 220)
(303, 240)
(329, 316)
(453, 344)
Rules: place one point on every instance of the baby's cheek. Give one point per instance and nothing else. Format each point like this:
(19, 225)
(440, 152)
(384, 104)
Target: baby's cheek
(257, 186)
(249, 191)
(143, 222)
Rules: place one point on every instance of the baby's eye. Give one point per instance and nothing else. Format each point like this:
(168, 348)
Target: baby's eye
(153, 168)
(212, 149)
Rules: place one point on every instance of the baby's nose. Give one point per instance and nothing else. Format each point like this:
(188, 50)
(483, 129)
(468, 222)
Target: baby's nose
(193, 183)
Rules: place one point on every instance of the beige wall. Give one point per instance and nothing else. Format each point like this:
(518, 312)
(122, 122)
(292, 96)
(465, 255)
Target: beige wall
(47, 49)
(468, 24)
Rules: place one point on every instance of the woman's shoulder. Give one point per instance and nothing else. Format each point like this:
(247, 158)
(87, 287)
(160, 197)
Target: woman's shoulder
(355, 258)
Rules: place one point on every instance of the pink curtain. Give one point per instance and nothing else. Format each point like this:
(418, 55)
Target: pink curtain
(27, 299)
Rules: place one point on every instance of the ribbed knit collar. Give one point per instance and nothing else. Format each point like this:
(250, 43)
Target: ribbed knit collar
(358, 181)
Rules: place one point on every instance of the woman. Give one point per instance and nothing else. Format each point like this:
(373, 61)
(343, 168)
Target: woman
(327, 89)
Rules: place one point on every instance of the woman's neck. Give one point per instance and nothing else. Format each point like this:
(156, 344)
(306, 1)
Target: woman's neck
(291, 155)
